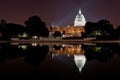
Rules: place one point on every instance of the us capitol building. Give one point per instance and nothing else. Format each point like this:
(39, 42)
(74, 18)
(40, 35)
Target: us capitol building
(72, 31)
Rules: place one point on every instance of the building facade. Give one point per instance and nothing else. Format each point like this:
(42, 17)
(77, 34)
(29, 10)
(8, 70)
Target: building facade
(71, 31)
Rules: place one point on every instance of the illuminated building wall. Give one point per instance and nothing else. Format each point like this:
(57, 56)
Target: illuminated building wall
(70, 31)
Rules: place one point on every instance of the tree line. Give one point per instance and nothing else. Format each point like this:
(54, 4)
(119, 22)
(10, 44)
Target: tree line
(34, 26)
(102, 30)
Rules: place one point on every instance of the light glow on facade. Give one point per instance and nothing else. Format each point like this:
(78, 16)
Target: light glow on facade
(71, 31)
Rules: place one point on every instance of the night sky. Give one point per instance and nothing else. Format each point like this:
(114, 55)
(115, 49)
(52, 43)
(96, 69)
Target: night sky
(59, 12)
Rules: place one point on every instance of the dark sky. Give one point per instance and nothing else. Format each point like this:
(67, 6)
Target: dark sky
(59, 12)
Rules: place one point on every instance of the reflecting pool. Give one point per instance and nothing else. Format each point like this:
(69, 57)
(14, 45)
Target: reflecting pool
(60, 61)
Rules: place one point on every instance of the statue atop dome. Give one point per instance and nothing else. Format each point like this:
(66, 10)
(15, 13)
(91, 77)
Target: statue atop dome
(80, 11)
(80, 19)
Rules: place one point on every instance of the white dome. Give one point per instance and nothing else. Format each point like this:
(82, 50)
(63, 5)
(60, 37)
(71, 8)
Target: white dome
(79, 19)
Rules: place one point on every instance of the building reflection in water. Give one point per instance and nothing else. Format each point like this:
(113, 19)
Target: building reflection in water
(72, 50)
(79, 61)
(68, 49)
(75, 51)
(65, 57)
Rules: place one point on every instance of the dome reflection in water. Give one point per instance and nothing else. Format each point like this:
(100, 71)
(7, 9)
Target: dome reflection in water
(63, 61)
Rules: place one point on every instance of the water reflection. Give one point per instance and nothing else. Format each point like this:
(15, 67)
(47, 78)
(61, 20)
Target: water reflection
(35, 55)
(101, 52)
(80, 61)
(68, 49)
(32, 54)
(74, 58)
(35, 52)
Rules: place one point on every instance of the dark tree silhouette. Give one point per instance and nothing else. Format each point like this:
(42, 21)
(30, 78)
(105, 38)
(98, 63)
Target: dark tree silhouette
(89, 28)
(35, 55)
(57, 34)
(36, 27)
(103, 29)
(117, 33)
(57, 47)
(12, 30)
(8, 52)
(3, 23)
(100, 52)
(106, 29)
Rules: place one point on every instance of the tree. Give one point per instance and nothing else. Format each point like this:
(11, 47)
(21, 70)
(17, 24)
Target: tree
(91, 29)
(106, 28)
(12, 30)
(3, 23)
(36, 27)
(117, 33)
(101, 30)
(57, 34)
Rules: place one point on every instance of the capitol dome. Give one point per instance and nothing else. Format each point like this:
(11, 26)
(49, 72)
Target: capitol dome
(79, 19)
